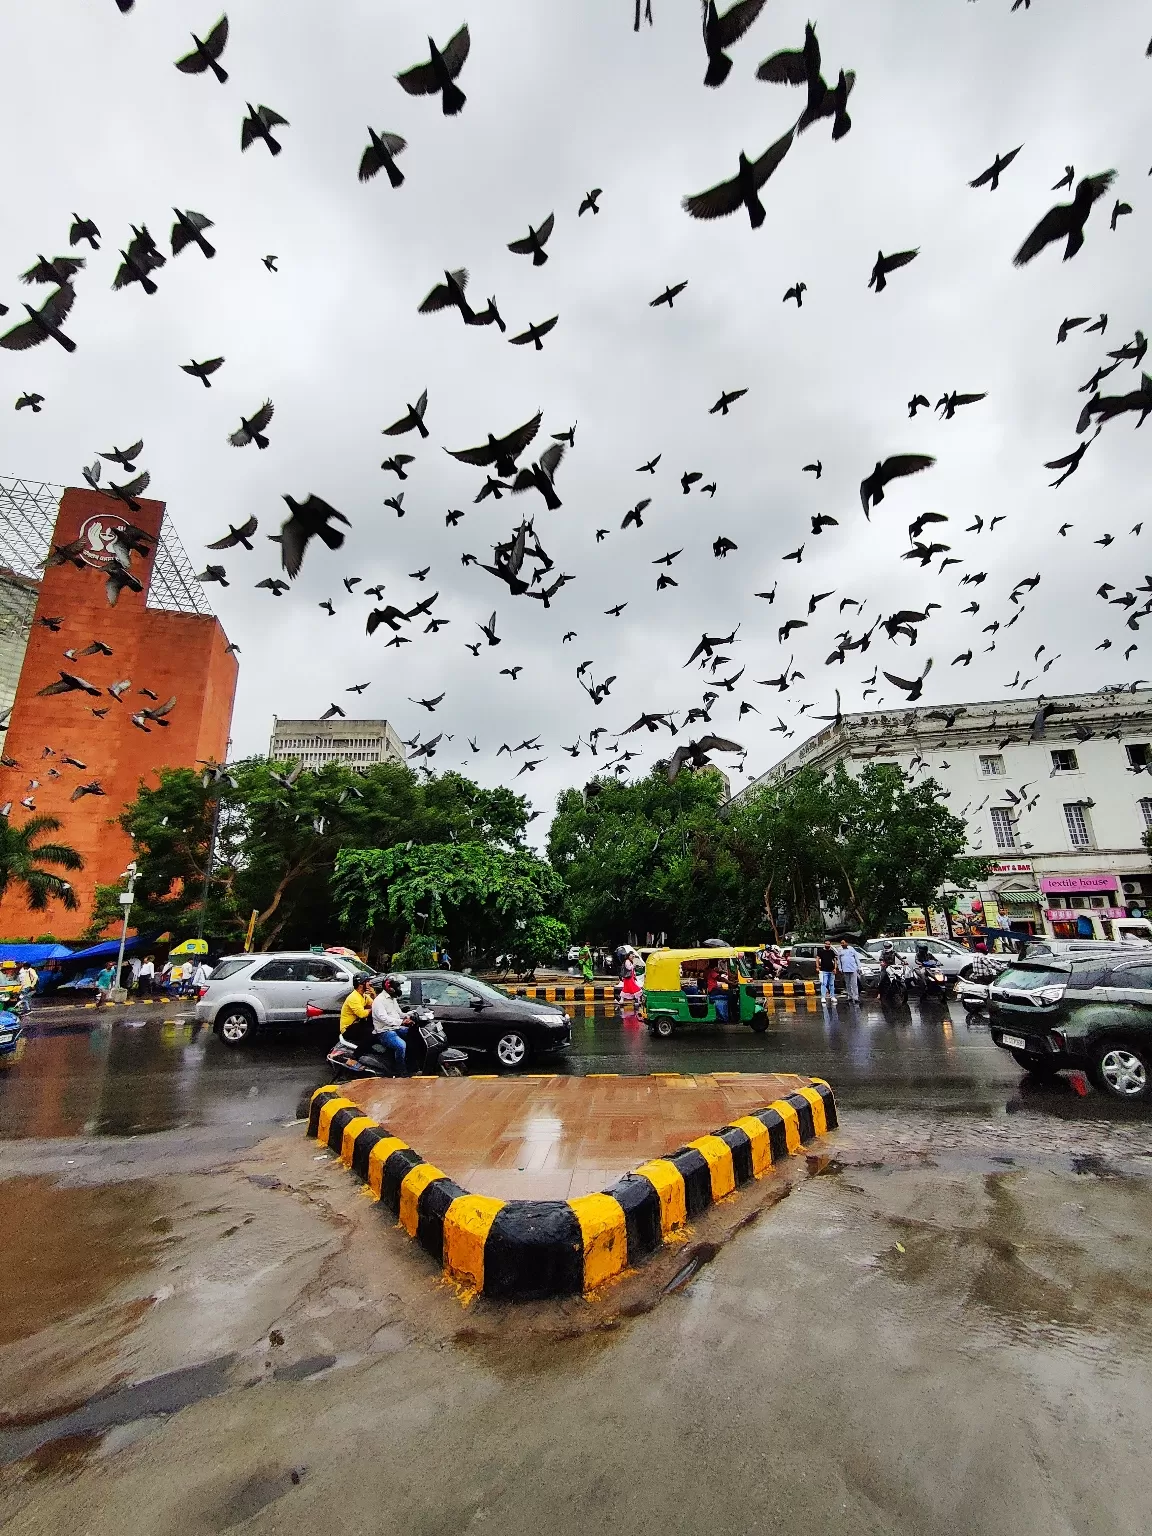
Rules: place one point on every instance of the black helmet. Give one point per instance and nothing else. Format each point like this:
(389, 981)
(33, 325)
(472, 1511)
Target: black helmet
(393, 987)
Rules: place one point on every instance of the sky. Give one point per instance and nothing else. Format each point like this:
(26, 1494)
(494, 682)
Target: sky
(564, 97)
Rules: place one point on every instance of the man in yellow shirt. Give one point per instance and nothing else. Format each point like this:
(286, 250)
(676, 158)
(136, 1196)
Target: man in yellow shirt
(356, 1014)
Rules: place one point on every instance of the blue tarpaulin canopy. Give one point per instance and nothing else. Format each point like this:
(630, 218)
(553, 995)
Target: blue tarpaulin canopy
(110, 948)
(34, 954)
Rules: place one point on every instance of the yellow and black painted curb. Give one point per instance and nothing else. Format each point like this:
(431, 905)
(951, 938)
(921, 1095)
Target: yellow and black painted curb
(606, 994)
(521, 1250)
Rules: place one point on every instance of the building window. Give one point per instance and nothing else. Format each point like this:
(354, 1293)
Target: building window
(1079, 827)
(1065, 762)
(1139, 754)
(1146, 812)
(992, 767)
(1003, 828)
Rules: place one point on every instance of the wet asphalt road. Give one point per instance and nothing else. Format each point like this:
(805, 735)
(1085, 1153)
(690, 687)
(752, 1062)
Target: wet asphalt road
(138, 1071)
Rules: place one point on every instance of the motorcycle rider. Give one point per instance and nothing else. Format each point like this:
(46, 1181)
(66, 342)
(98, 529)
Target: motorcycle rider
(388, 1022)
(356, 1015)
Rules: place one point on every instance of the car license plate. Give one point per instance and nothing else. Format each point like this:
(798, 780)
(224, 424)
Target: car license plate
(1014, 1042)
(7, 1037)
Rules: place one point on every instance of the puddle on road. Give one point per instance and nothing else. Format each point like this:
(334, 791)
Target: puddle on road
(72, 1247)
(1027, 1278)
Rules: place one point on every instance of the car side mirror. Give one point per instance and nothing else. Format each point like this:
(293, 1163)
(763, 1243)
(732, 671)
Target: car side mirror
(479, 1003)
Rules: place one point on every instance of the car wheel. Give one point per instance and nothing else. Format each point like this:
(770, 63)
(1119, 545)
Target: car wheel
(664, 1027)
(974, 1008)
(512, 1049)
(236, 1025)
(1039, 1066)
(759, 1024)
(1122, 1070)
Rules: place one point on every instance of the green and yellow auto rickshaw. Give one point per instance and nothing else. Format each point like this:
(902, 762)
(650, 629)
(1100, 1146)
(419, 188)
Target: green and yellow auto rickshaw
(677, 991)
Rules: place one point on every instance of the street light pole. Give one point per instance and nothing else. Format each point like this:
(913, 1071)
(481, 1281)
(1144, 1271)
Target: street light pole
(126, 903)
(208, 865)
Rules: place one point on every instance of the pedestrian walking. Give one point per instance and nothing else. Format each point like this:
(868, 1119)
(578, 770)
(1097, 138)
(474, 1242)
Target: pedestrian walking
(826, 960)
(103, 985)
(29, 980)
(848, 964)
(584, 960)
(146, 977)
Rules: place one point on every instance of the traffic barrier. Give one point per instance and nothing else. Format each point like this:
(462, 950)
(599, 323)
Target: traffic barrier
(521, 1250)
(606, 994)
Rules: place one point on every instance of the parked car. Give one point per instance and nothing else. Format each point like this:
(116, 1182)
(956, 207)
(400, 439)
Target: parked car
(1092, 1011)
(247, 994)
(950, 958)
(480, 1019)
(803, 965)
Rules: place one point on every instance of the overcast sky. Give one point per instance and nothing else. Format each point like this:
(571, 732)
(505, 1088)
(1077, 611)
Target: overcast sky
(563, 97)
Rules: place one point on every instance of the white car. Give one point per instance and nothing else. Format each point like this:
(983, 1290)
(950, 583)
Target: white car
(250, 993)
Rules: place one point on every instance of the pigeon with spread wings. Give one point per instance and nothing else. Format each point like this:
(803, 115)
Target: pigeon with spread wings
(206, 54)
(309, 518)
(259, 124)
(43, 323)
(743, 190)
(381, 156)
(439, 74)
(534, 242)
(500, 451)
(1066, 221)
(721, 32)
(872, 486)
(695, 754)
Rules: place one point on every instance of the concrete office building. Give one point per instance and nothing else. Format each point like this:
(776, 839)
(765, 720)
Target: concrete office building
(1063, 815)
(162, 637)
(355, 743)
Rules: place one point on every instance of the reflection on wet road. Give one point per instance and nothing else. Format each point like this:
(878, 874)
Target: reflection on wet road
(133, 1075)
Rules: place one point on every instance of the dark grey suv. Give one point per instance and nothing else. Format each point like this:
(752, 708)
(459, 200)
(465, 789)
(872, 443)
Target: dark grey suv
(1089, 1011)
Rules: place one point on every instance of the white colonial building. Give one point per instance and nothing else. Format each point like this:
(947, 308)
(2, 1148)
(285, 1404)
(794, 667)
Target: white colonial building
(1062, 811)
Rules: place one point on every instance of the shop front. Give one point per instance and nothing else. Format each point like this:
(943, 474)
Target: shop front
(1089, 907)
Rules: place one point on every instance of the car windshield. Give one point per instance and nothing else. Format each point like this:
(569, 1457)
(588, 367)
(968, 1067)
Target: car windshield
(230, 967)
(1026, 978)
(493, 994)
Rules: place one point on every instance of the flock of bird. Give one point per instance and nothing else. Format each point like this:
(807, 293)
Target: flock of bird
(514, 465)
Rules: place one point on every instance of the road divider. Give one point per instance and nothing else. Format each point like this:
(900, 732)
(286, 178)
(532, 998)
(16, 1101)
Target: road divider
(562, 993)
(522, 1250)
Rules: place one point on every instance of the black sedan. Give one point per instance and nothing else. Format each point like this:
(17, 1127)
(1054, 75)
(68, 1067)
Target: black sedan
(478, 1018)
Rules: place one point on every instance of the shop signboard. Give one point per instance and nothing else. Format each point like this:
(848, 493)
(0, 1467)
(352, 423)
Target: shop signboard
(1079, 884)
(1012, 867)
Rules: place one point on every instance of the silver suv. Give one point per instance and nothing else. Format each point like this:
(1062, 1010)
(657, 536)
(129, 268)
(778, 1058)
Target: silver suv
(954, 961)
(248, 993)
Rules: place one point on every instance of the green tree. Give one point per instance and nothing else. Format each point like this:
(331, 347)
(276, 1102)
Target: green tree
(24, 857)
(278, 842)
(478, 898)
(648, 857)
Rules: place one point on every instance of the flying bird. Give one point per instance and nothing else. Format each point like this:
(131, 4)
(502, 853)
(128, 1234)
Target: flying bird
(448, 294)
(534, 334)
(202, 371)
(796, 292)
(887, 470)
(440, 73)
(991, 177)
(125, 456)
(189, 229)
(668, 296)
(886, 264)
(816, 469)
(721, 32)
(69, 683)
(590, 202)
(251, 429)
(43, 323)
(1067, 325)
(726, 399)
(914, 688)
(332, 711)
(742, 191)
(259, 124)
(1118, 211)
(802, 67)
(948, 403)
(214, 573)
(84, 229)
(635, 515)
(695, 754)
(34, 402)
(270, 262)
(534, 242)
(396, 464)
(206, 54)
(62, 269)
(489, 630)
(542, 475)
(381, 156)
(311, 517)
(502, 452)
(1066, 221)
(411, 421)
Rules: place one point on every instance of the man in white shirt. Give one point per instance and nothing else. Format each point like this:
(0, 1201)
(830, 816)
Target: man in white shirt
(388, 1021)
(29, 979)
(146, 977)
(201, 975)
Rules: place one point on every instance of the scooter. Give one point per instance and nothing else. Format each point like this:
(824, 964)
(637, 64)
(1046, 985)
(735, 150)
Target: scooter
(427, 1053)
(11, 1038)
(898, 977)
(935, 983)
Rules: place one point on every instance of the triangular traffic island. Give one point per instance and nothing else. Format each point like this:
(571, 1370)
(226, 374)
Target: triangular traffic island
(575, 1179)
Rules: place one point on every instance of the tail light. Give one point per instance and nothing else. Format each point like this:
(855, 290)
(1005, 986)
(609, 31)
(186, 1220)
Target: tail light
(312, 1012)
(203, 993)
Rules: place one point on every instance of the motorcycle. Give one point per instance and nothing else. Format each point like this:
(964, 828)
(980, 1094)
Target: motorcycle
(935, 983)
(11, 1038)
(899, 976)
(427, 1054)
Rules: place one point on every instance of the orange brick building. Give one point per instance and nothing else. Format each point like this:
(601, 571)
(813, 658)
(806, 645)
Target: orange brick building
(163, 638)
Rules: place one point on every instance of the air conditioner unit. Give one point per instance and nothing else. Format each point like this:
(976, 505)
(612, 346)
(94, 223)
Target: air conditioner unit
(1131, 888)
